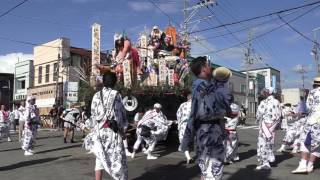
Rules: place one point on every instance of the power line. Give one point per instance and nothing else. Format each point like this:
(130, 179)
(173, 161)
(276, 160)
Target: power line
(244, 29)
(257, 17)
(220, 22)
(295, 30)
(263, 34)
(11, 9)
(166, 14)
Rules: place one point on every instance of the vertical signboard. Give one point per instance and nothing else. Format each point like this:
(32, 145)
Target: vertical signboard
(170, 77)
(143, 45)
(95, 51)
(162, 71)
(127, 73)
(274, 82)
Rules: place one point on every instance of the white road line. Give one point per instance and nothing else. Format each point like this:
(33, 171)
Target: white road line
(249, 127)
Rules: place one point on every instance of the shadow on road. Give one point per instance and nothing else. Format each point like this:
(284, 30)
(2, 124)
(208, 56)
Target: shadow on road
(15, 149)
(60, 148)
(279, 158)
(169, 172)
(250, 171)
(243, 144)
(50, 136)
(30, 163)
(248, 154)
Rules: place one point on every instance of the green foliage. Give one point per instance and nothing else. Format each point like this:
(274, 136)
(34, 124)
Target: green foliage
(85, 93)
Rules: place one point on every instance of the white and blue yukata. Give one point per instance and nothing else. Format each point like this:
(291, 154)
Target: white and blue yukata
(159, 126)
(268, 115)
(104, 142)
(232, 135)
(32, 120)
(210, 103)
(4, 124)
(183, 115)
(310, 137)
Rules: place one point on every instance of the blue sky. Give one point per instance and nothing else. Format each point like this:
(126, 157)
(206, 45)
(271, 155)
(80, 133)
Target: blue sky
(40, 21)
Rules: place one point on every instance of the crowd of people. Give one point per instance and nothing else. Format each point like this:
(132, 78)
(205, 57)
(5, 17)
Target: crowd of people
(208, 121)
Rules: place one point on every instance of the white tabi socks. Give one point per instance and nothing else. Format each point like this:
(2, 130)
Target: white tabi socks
(187, 154)
(302, 168)
(125, 144)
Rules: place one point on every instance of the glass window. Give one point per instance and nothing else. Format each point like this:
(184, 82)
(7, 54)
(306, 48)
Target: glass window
(55, 71)
(23, 84)
(243, 88)
(40, 75)
(47, 72)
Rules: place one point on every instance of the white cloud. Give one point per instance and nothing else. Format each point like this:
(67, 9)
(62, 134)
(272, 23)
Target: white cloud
(140, 6)
(201, 47)
(168, 7)
(235, 53)
(8, 61)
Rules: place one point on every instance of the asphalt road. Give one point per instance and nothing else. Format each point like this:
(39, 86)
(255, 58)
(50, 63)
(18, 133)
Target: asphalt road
(55, 160)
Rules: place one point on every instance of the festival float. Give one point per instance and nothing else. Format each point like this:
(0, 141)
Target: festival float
(153, 70)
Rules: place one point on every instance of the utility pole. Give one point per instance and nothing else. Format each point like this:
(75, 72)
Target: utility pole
(315, 50)
(301, 69)
(57, 79)
(248, 62)
(193, 11)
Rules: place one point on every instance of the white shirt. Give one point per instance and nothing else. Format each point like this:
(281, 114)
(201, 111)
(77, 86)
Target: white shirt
(16, 114)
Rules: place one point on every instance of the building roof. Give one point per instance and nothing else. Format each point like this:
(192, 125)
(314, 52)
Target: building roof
(80, 51)
(232, 70)
(256, 69)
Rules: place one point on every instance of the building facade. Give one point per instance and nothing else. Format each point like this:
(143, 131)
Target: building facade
(23, 80)
(58, 68)
(292, 95)
(6, 89)
(237, 85)
(272, 77)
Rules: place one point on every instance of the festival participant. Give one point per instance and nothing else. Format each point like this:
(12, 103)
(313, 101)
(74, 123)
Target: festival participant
(70, 116)
(22, 111)
(268, 116)
(221, 76)
(153, 127)
(183, 115)
(287, 113)
(310, 138)
(32, 120)
(292, 136)
(232, 135)
(16, 118)
(4, 123)
(207, 112)
(106, 137)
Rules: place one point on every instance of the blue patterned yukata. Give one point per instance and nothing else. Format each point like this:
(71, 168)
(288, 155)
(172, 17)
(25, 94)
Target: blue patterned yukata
(209, 106)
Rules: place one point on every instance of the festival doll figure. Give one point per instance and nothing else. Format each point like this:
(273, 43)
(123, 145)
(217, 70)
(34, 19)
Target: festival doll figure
(32, 120)
(232, 135)
(4, 123)
(183, 115)
(125, 52)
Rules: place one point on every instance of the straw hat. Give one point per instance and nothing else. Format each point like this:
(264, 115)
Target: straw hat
(222, 74)
(316, 80)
